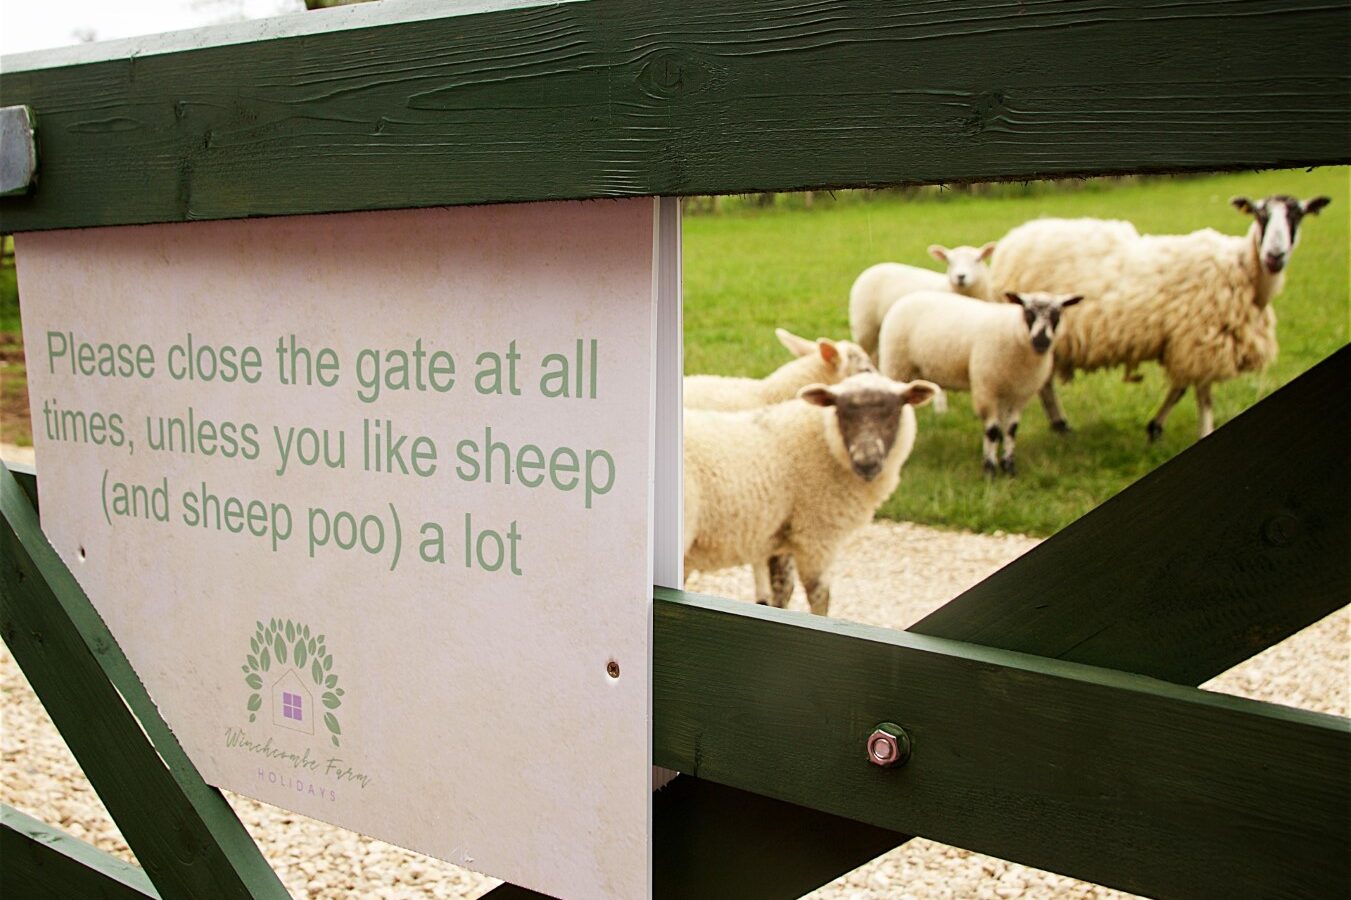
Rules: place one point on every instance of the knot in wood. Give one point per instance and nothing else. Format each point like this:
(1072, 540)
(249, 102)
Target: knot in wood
(1281, 530)
(987, 108)
(673, 73)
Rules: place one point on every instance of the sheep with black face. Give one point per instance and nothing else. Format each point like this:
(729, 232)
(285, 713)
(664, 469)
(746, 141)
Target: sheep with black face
(998, 352)
(1199, 304)
(796, 478)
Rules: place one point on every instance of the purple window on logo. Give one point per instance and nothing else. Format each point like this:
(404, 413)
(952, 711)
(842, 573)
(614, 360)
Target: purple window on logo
(290, 706)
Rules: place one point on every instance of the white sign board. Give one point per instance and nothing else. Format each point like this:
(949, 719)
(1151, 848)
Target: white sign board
(368, 501)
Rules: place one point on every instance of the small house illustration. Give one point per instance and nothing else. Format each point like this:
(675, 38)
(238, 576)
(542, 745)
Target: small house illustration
(292, 703)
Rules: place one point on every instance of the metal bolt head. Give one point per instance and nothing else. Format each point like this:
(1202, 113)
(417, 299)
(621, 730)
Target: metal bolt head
(888, 746)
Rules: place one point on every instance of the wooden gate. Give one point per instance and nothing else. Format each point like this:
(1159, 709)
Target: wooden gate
(1158, 788)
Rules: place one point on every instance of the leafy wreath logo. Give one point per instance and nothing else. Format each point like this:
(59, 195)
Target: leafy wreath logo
(279, 640)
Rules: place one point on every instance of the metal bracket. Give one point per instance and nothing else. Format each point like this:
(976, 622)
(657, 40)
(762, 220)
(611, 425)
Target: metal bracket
(18, 150)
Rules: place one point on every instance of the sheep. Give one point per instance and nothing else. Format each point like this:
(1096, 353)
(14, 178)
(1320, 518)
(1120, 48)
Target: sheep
(1199, 304)
(822, 360)
(879, 286)
(795, 478)
(998, 353)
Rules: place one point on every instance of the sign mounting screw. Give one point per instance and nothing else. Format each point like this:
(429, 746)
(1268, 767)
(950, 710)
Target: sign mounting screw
(888, 746)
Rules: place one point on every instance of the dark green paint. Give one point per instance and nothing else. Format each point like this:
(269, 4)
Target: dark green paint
(39, 862)
(27, 477)
(1103, 775)
(1228, 548)
(183, 831)
(613, 98)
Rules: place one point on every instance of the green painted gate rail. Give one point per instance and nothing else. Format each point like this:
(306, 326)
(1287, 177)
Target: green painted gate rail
(1053, 706)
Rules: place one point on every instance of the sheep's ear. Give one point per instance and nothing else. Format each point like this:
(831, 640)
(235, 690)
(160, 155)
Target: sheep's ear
(1070, 301)
(918, 393)
(1314, 205)
(798, 346)
(829, 352)
(817, 395)
(1242, 204)
(987, 249)
(938, 252)
(1013, 297)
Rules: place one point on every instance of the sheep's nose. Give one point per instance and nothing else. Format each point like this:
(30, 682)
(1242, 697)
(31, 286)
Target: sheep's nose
(1041, 343)
(961, 281)
(1275, 262)
(867, 470)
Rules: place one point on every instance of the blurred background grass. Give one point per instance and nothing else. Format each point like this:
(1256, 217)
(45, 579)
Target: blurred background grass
(752, 267)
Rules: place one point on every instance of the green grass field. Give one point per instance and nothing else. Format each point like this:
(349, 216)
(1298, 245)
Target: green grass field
(748, 270)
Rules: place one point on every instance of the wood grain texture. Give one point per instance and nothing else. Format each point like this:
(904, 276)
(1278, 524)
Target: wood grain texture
(183, 831)
(613, 98)
(44, 863)
(1231, 546)
(1111, 777)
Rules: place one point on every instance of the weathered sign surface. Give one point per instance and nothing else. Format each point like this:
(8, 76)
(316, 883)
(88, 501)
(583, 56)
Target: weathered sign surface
(368, 500)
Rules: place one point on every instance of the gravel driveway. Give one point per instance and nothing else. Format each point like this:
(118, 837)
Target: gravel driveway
(890, 575)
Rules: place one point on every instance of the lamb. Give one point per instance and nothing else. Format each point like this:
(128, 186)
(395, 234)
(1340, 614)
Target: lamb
(1199, 303)
(881, 285)
(997, 352)
(822, 360)
(795, 478)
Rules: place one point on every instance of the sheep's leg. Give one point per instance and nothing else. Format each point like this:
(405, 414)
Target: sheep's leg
(813, 568)
(1010, 421)
(990, 447)
(1205, 413)
(761, 570)
(1155, 426)
(781, 573)
(1051, 403)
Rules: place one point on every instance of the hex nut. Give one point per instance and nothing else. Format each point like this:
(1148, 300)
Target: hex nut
(888, 746)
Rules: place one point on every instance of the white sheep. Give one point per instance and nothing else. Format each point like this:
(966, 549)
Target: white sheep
(821, 361)
(998, 352)
(1199, 303)
(795, 478)
(881, 285)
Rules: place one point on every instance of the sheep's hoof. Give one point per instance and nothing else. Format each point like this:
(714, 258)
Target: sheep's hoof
(990, 468)
(1009, 468)
(1155, 431)
(1060, 426)
(761, 602)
